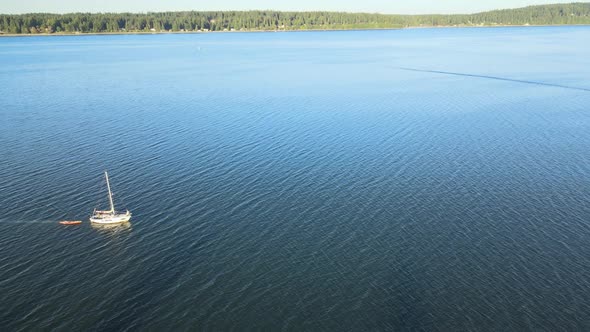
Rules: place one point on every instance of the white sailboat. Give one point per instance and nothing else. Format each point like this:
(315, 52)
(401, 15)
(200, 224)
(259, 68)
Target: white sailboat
(109, 216)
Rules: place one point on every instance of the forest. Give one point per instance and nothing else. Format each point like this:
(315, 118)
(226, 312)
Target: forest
(44, 23)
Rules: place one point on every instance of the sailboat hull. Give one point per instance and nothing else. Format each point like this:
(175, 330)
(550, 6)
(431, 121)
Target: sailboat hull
(112, 219)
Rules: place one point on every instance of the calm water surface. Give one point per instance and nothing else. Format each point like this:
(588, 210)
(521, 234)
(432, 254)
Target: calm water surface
(428, 179)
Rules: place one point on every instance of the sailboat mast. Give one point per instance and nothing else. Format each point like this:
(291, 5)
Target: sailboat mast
(106, 175)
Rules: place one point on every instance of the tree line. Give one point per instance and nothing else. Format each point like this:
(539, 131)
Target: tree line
(574, 13)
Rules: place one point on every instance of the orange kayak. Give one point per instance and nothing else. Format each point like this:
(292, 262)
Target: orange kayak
(70, 222)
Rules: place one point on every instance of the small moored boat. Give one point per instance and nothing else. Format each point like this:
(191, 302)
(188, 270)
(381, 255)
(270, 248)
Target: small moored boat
(109, 216)
(70, 222)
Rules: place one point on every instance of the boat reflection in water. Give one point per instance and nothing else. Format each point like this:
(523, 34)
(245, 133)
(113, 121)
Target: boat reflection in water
(112, 228)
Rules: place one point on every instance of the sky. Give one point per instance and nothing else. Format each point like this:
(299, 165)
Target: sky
(370, 6)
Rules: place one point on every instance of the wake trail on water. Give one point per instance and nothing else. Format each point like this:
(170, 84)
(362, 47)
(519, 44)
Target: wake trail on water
(497, 78)
(28, 221)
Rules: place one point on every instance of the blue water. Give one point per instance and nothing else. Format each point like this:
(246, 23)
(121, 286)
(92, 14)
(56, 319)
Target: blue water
(427, 179)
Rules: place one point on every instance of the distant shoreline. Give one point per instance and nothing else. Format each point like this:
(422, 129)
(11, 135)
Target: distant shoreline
(58, 34)
(190, 22)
